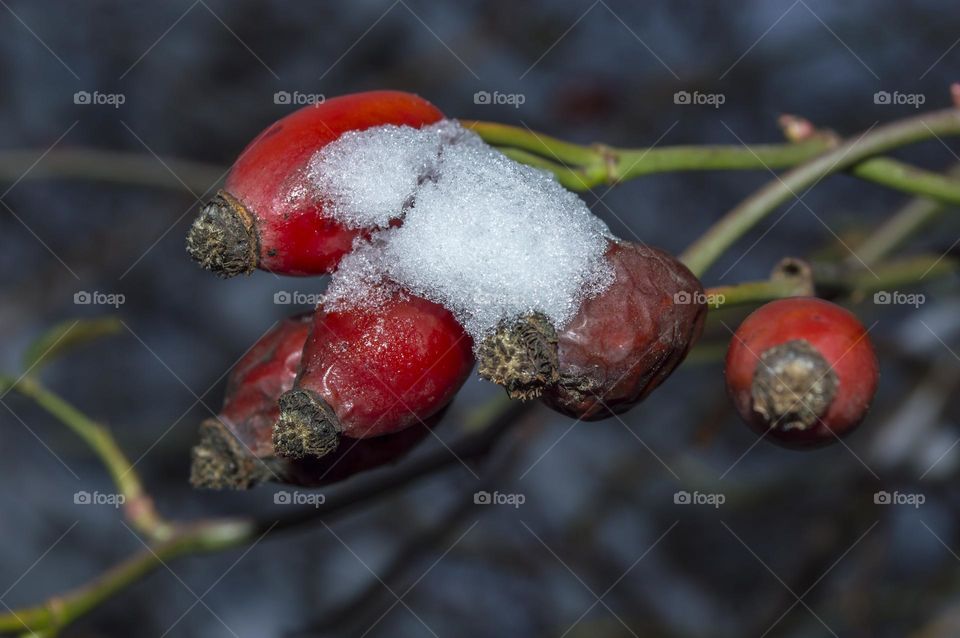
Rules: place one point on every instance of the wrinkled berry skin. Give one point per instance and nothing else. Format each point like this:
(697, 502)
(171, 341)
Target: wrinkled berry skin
(265, 372)
(236, 450)
(627, 340)
(267, 216)
(370, 371)
(831, 337)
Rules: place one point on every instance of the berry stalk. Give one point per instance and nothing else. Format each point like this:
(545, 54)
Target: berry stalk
(581, 168)
(732, 226)
(138, 506)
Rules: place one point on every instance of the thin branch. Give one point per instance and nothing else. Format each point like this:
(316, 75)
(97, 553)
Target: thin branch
(608, 165)
(138, 506)
(832, 282)
(110, 166)
(59, 611)
(216, 535)
(581, 168)
(722, 235)
(908, 221)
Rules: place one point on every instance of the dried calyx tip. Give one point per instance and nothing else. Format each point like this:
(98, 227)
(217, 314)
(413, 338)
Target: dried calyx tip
(222, 239)
(307, 426)
(793, 385)
(521, 355)
(219, 461)
(798, 272)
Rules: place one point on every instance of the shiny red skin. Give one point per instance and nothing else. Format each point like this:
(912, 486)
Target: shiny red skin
(627, 340)
(384, 369)
(265, 372)
(250, 410)
(840, 339)
(295, 236)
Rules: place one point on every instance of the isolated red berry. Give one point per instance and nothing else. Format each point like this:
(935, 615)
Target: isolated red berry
(627, 340)
(236, 449)
(801, 371)
(372, 370)
(267, 216)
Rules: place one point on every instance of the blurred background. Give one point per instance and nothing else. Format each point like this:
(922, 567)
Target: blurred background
(599, 546)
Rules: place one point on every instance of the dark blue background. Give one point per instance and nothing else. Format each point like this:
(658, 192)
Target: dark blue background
(199, 81)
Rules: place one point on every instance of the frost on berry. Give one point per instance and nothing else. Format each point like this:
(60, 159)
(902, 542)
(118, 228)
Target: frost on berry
(370, 177)
(488, 238)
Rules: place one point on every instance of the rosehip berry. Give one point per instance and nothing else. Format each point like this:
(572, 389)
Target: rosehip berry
(232, 447)
(372, 370)
(801, 371)
(626, 341)
(236, 449)
(268, 216)
(621, 344)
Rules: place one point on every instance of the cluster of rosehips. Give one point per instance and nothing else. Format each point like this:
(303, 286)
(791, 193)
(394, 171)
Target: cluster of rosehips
(323, 396)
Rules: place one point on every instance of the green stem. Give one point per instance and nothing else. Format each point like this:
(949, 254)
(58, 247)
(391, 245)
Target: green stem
(705, 251)
(138, 506)
(908, 221)
(909, 179)
(630, 164)
(752, 292)
(59, 611)
(571, 178)
(889, 276)
(523, 138)
(110, 166)
(581, 168)
(601, 164)
(491, 422)
(830, 281)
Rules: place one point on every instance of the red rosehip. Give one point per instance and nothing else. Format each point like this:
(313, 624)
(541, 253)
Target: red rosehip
(265, 372)
(267, 216)
(236, 449)
(621, 344)
(369, 371)
(801, 371)
(626, 341)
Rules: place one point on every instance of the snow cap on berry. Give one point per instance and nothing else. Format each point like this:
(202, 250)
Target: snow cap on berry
(488, 238)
